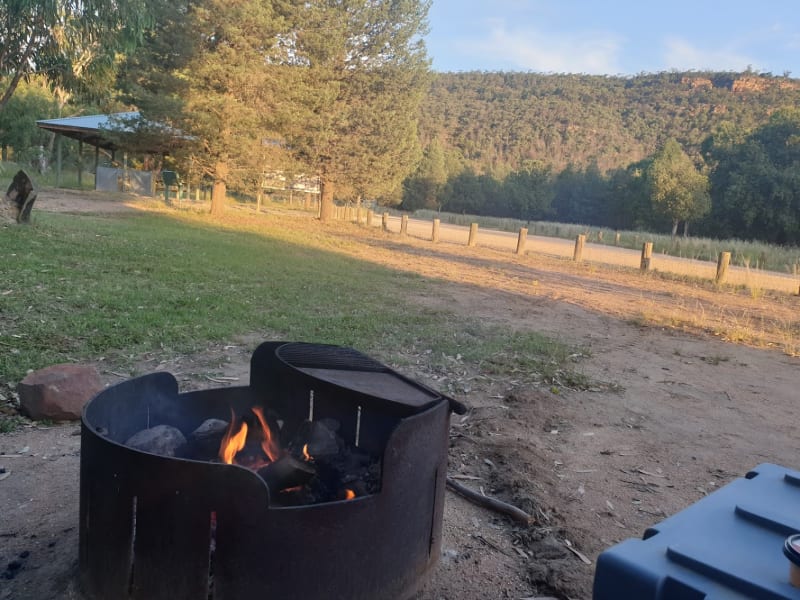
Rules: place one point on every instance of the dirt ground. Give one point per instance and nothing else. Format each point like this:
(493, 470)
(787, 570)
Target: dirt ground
(678, 410)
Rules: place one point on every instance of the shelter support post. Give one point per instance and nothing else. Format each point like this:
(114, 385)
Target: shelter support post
(80, 163)
(58, 159)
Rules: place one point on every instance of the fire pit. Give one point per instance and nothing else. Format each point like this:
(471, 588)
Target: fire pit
(156, 527)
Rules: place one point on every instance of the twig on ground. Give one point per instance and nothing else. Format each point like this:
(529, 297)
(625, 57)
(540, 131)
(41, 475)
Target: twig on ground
(584, 559)
(221, 379)
(643, 472)
(491, 544)
(519, 515)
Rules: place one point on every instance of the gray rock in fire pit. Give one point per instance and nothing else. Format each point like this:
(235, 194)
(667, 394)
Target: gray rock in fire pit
(58, 392)
(209, 428)
(161, 439)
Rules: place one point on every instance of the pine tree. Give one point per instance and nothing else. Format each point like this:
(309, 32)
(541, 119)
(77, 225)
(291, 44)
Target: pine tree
(205, 77)
(356, 74)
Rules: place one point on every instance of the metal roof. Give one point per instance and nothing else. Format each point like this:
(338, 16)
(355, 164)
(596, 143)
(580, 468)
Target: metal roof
(88, 128)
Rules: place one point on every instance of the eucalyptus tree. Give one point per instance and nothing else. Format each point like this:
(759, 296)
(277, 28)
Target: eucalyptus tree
(677, 189)
(18, 129)
(68, 41)
(756, 182)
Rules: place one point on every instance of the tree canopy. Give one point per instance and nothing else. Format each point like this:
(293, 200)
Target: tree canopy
(756, 182)
(495, 121)
(324, 88)
(67, 41)
(355, 73)
(202, 77)
(677, 189)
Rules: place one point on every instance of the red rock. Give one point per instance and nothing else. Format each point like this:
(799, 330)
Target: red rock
(58, 392)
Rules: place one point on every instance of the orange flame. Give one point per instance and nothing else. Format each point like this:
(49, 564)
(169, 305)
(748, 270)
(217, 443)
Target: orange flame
(235, 439)
(268, 444)
(349, 494)
(232, 443)
(306, 456)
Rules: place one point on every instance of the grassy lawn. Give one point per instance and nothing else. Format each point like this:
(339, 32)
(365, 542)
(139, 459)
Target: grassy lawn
(82, 288)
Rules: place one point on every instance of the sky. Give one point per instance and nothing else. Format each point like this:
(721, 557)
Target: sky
(615, 37)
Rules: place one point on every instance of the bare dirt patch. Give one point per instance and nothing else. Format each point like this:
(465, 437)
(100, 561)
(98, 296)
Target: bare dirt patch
(82, 201)
(682, 410)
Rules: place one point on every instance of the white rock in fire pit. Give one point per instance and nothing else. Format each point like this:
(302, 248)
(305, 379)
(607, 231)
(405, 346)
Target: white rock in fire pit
(161, 439)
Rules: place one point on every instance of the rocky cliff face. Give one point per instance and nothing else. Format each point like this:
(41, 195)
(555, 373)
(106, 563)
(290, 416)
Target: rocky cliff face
(697, 82)
(742, 84)
(760, 84)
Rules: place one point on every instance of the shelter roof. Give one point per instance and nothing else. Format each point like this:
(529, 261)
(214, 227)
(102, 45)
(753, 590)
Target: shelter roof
(88, 128)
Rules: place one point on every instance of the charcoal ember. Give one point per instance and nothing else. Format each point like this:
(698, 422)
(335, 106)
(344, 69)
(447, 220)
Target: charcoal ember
(204, 442)
(332, 424)
(161, 439)
(286, 472)
(350, 469)
(318, 436)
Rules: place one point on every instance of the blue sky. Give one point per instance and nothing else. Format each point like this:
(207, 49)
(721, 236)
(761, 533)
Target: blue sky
(615, 37)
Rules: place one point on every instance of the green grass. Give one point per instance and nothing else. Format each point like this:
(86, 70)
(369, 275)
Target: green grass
(82, 288)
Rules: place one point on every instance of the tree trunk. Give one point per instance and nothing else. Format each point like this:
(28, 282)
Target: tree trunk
(219, 188)
(675, 223)
(325, 200)
(685, 229)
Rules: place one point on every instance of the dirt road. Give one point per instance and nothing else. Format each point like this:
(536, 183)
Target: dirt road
(600, 253)
(676, 411)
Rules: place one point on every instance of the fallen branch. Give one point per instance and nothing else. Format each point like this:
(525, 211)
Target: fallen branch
(519, 515)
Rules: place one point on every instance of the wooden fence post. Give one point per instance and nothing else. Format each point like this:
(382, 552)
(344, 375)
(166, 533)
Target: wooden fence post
(521, 239)
(385, 221)
(616, 239)
(473, 234)
(647, 255)
(404, 225)
(722, 267)
(369, 218)
(580, 241)
(599, 236)
(358, 214)
(435, 231)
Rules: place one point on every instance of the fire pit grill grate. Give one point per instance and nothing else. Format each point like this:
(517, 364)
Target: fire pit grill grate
(321, 356)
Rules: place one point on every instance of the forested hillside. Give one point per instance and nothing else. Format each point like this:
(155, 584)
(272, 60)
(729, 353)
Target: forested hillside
(494, 122)
(656, 151)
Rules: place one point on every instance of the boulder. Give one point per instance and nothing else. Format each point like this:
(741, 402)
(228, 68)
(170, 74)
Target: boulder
(58, 392)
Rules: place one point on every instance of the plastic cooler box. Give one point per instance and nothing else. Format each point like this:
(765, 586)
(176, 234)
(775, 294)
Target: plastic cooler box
(727, 545)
